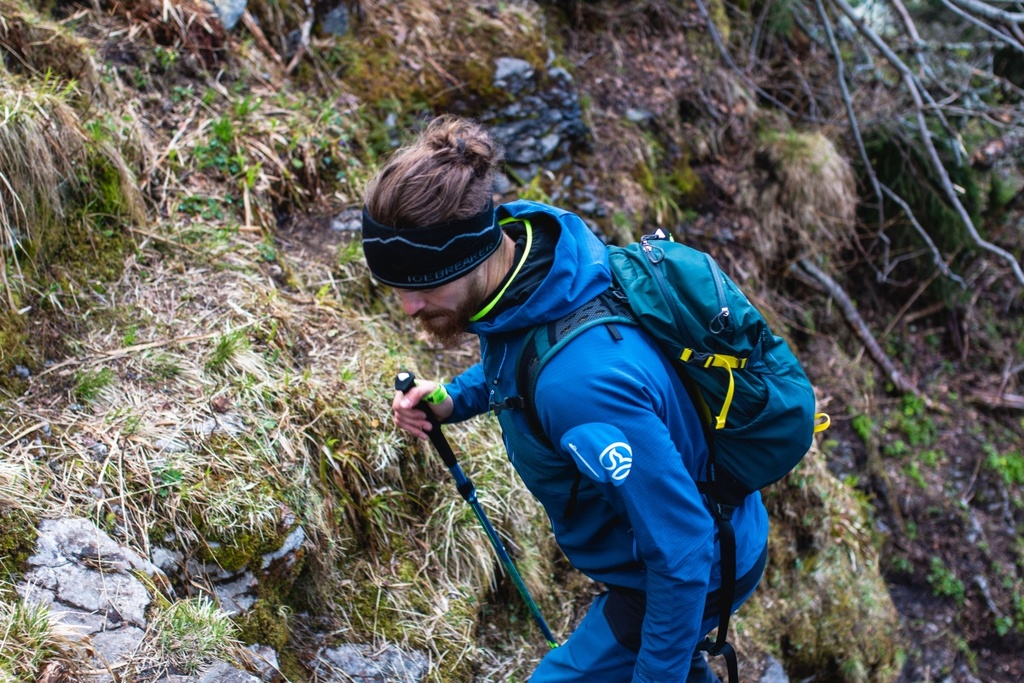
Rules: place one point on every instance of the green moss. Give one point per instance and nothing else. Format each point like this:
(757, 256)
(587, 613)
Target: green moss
(14, 339)
(266, 623)
(17, 543)
(823, 575)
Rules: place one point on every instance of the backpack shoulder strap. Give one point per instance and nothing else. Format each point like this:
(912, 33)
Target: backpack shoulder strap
(543, 342)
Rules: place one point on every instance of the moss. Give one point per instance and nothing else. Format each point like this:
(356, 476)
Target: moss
(17, 543)
(289, 664)
(823, 575)
(14, 338)
(266, 623)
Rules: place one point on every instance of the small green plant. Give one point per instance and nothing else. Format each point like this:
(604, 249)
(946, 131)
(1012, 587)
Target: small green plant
(918, 427)
(1004, 625)
(166, 57)
(944, 582)
(1009, 466)
(864, 426)
(913, 471)
(226, 348)
(164, 366)
(28, 638)
(90, 384)
(193, 632)
(207, 208)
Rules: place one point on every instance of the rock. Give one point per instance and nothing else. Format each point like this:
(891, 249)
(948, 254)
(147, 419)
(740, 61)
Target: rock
(229, 11)
(774, 673)
(363, 664)
(90, 584)
(237, 596)
(218, 672)
(544, 120)
(287, 550)
(335, 21)
(265, 662)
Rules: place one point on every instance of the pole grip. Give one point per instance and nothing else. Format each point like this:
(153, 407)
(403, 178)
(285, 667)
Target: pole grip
(404, 381)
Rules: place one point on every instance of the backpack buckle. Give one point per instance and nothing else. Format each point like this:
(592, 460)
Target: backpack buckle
(510, 403)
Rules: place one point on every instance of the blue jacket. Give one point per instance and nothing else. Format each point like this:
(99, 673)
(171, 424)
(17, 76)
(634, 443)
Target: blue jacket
(615, 412)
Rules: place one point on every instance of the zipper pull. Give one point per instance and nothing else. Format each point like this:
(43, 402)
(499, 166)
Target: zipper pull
(720, 322)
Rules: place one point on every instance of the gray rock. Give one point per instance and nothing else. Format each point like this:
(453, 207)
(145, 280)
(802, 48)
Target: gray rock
(170, 445)
(169, 561)
(363, 664)
(335, 21)
(82, 572)
(287, 550)
(117, 646)
(265, 662)
(229, 11)
(774, 673)
(218, 672)
(238, 596)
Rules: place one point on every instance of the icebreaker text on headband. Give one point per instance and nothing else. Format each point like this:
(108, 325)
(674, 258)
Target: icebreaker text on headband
(425, 257)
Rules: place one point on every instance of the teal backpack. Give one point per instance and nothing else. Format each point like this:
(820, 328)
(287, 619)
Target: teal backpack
(756, 403)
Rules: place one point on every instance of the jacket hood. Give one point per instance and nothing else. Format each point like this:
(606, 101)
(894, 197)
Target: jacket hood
(578, 273)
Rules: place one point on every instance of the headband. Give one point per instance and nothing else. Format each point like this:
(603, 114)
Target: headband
(426, 257)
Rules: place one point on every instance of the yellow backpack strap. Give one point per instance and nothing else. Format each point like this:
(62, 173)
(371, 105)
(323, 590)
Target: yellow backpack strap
(728, 363)
(821, 422)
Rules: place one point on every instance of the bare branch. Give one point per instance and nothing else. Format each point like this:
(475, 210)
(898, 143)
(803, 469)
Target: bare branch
(918, 94)
(992, 13)
(936, 256)
(860, 328)
(983, 26)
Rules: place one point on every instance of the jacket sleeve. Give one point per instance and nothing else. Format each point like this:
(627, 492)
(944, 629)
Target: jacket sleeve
(469, 394)
(610, 406)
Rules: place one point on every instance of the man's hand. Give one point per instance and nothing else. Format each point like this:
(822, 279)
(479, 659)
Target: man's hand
(408, 414)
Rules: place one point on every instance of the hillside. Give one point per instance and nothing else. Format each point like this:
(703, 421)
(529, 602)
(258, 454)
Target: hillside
(198, 465)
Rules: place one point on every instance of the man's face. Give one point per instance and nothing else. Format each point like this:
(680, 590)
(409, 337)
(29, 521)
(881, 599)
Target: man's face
(444, 312)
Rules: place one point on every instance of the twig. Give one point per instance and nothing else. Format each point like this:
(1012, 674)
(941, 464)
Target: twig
(307, 27)
(259, 36)
(860, 328)
(983, 26)
(990, 12)
(117, 353)
(996, 400)
(722, 50)
(23, 433)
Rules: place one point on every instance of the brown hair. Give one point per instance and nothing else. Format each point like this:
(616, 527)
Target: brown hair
(446, 174)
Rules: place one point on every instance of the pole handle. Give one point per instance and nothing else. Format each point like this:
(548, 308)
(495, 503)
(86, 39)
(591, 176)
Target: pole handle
(404, 381)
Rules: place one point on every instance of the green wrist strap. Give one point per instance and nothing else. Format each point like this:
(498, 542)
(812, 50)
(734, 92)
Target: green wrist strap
(436, 396)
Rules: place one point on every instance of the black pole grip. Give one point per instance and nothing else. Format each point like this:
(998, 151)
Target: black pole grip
(404, 381)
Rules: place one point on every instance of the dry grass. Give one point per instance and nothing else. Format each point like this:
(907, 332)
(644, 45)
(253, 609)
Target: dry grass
(803, 196)
(44, 154)
(44, 50)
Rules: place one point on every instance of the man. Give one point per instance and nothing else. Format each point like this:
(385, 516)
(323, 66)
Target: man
(622, 450)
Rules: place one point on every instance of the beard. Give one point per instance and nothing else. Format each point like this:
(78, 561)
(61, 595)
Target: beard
(447, 327)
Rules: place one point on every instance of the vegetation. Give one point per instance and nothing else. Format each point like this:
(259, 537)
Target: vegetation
(190, 355)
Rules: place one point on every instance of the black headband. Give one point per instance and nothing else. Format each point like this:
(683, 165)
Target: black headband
(426, 257)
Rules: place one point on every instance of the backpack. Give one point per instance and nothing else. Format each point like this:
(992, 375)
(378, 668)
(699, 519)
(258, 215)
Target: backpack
(757, 406)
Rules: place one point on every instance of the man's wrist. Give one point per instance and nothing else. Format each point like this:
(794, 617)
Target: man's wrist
(437, 396)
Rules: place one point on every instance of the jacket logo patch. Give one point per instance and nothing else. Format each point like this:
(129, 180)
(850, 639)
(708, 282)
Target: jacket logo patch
(617, 458)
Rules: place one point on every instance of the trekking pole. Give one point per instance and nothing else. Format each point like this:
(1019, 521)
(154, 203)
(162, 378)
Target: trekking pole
(405, 381)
